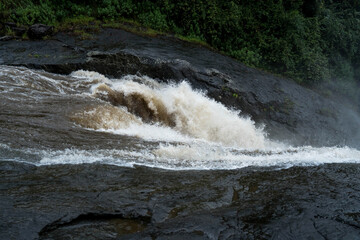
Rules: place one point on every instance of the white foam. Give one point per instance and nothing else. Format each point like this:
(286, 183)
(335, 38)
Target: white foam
(85, 78)
(123, 158)
(217, 157)
(89, 75)
(194, 114)
(20, 80)
(200, 157)
(151, 132)
(191, 156)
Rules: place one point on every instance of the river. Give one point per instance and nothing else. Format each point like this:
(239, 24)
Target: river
(85, 117)
(84, 155)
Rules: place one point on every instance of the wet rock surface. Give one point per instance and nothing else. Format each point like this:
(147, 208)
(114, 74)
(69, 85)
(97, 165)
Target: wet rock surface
(108, 202)
(290, 112)
(94, 201)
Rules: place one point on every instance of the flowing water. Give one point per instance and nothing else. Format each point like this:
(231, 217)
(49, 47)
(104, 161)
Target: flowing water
(86, 117)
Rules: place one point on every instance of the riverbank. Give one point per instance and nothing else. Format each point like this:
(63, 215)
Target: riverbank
(312, 42)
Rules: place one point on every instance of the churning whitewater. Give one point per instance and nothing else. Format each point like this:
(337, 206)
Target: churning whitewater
(136, 120)
(140, 102)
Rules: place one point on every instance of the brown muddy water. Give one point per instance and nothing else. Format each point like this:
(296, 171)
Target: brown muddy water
(86, 156)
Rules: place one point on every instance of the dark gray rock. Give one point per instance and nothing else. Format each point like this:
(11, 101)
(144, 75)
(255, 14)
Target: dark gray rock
(38, 31)
(108, 202)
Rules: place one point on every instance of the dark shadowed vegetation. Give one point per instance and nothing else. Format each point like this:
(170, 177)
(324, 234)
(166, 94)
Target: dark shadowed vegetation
(312, 41)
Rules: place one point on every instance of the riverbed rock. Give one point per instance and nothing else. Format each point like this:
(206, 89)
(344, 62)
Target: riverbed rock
(38, 31)
(95, 201)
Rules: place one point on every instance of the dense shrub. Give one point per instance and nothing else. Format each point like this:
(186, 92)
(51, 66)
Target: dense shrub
(113, 9)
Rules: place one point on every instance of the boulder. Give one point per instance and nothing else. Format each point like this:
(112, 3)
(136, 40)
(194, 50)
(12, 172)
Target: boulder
(38, 31)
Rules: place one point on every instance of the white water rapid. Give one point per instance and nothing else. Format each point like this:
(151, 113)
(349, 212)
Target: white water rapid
(170, 126)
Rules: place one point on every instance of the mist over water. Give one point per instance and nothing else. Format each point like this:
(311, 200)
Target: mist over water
(87, 118)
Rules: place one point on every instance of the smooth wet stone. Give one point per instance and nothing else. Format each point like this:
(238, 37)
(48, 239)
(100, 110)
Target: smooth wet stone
(95, 201)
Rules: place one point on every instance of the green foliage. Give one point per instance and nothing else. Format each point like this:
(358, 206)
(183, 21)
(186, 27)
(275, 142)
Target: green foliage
(82, 34)
(114, 9)
(154, 19)
(9, 32)
(247, 56)
(78, 21)
(340, 29)
(31, 13)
